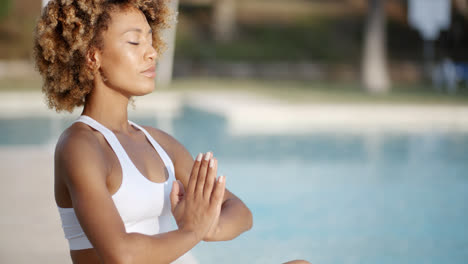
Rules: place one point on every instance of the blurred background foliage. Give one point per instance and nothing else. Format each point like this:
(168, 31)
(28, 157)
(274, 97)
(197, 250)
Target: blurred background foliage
(267, 30)
(17, 21)
(5, 6)
(326, 35)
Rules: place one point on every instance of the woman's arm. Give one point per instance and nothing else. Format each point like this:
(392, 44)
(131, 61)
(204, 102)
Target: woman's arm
(82, 164)
(234, 219)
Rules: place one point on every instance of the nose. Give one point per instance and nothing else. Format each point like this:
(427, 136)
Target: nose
(151, 53)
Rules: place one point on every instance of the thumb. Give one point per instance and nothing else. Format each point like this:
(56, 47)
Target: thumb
(174, 194)
(181, 188)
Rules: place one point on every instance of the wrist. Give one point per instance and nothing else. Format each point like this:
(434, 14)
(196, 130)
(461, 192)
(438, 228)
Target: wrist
(213, 235)
(193, 235)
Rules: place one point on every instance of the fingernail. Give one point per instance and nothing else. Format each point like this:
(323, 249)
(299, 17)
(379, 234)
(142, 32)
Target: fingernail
(208, 156)
(211, 163)
(221, 178)
(199, 157)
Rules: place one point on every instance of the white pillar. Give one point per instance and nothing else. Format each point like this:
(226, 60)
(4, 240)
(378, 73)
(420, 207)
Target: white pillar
(224, 20)
(376, 78)
(166, 60)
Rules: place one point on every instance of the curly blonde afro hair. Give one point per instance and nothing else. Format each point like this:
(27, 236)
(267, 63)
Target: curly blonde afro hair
(65, 33)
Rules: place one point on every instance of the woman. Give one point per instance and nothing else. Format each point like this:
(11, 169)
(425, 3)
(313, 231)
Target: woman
(118, 184)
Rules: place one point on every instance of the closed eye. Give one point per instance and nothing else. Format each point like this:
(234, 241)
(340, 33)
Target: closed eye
(134, 43)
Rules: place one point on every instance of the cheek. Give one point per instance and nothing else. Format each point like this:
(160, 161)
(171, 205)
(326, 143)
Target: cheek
(121, 65)
(121, 69)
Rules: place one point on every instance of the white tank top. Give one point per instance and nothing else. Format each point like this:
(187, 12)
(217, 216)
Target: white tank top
(143, 205)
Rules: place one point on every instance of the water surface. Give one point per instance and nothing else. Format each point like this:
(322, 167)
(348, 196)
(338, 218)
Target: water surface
(333, 197)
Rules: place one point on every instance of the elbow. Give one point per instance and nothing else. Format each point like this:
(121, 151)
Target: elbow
(249, 220)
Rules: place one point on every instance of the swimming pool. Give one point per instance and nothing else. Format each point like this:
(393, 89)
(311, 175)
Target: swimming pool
(328, 197)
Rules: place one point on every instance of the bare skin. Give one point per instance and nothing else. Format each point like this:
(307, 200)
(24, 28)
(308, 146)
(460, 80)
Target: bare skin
(88, 173)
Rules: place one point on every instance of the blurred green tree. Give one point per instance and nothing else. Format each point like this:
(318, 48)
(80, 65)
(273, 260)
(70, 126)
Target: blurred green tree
(5, 7)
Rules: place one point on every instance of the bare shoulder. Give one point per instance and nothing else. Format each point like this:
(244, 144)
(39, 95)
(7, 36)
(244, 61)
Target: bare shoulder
(79, 150)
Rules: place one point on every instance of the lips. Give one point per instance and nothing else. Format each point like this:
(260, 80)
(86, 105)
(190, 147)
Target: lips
(150, 72)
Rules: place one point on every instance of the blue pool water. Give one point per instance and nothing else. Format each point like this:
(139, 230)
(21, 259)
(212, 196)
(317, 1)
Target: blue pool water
(325, 197)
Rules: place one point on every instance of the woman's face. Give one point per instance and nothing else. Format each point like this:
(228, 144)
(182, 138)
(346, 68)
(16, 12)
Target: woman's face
(127, 59)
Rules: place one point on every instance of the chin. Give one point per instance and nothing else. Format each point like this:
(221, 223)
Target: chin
(143, 92)
(145, 89)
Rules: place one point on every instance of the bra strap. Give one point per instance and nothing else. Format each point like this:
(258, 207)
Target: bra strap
(162, 153)
(109, 136)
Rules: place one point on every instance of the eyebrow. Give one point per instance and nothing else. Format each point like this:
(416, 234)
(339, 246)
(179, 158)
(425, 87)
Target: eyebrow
(137, 30)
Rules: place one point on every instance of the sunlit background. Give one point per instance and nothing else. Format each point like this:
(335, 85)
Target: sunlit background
(342, 124)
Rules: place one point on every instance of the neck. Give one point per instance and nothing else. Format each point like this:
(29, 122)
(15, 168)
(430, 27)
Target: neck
(109, 107)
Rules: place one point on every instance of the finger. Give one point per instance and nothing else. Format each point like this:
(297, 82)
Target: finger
(202, 174)
(218, 192)
(174, 195)
(194, 175)
(210, 179)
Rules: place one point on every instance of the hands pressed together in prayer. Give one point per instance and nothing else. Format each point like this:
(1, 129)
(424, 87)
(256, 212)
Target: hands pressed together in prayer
(198, 208)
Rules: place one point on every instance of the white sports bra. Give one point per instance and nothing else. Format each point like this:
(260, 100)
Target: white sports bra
(143, 205)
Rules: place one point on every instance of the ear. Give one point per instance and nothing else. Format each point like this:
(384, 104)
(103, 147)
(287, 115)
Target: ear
(93, 59)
